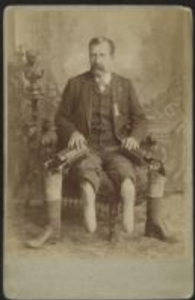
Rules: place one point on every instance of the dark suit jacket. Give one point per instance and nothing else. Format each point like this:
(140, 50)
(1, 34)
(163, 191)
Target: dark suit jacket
(74, 112)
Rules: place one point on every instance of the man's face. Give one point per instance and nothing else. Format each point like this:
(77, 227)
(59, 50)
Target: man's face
(100, 58)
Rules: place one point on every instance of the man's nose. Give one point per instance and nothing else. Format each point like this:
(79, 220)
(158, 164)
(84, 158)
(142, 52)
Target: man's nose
(98, 59)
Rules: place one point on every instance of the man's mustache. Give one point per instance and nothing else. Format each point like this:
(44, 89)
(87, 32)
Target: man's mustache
(98, 67)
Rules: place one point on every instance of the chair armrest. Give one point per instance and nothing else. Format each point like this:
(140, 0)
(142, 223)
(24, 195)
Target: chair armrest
(65, 158)
(148, 154)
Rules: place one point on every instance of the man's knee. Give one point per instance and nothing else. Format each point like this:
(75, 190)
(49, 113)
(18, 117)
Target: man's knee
(87, 187)
(127, 188)
(89, 180)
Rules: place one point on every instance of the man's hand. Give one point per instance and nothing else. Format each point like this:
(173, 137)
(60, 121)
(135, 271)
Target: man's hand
(130, 143)
(78, 141)
(49, 138)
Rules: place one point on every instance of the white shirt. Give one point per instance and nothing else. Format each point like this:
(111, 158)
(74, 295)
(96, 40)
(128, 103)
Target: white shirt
(103, 81)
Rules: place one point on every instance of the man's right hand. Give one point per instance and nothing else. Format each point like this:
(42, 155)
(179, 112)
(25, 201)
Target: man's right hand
(49, 138)
(78, 141)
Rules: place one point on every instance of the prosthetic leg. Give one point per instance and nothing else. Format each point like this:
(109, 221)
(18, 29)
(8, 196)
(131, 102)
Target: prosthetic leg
(157, 225)
(128, 199)
(51, 234)
(89, 210)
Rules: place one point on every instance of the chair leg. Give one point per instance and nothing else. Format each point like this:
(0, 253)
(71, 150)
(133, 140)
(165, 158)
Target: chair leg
(113, 214)
(110, 234)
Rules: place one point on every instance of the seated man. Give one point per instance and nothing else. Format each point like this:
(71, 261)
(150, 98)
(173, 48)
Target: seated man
(100, 110)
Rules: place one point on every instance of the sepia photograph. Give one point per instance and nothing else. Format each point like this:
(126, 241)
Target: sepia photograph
(98, 152)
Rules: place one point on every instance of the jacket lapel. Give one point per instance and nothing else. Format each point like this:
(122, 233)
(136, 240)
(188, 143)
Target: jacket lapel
(87, 86)
(115, 86)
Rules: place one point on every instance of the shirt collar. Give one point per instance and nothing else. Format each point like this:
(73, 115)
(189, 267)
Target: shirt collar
(104, 80)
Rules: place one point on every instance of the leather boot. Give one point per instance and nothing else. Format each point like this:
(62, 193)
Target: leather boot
(157, 225)
(52, 232)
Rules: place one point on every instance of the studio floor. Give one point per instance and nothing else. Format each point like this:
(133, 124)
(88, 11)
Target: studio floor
(76, 242)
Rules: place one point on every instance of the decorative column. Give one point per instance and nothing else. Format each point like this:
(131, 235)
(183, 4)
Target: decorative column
(33, 74)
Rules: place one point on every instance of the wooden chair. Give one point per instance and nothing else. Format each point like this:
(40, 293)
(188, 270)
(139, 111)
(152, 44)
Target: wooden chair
(108, 198)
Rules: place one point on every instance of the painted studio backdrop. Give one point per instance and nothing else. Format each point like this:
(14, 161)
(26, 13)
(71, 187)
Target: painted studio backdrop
(150, 49)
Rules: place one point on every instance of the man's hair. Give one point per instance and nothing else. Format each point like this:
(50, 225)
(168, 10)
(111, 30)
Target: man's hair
(102, 39)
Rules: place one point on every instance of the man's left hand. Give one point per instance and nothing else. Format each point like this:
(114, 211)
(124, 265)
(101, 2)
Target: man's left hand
(130, 143)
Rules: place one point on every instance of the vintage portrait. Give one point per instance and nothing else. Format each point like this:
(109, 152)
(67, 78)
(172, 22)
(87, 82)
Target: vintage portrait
(98, 152)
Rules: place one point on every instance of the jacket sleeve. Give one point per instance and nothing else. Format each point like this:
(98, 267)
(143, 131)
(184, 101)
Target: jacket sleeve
(138, 120)
(64, 117)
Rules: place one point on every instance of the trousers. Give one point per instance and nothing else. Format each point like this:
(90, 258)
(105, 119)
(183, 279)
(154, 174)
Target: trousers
(117, 166)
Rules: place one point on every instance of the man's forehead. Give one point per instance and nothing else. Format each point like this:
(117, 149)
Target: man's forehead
(103, 46)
